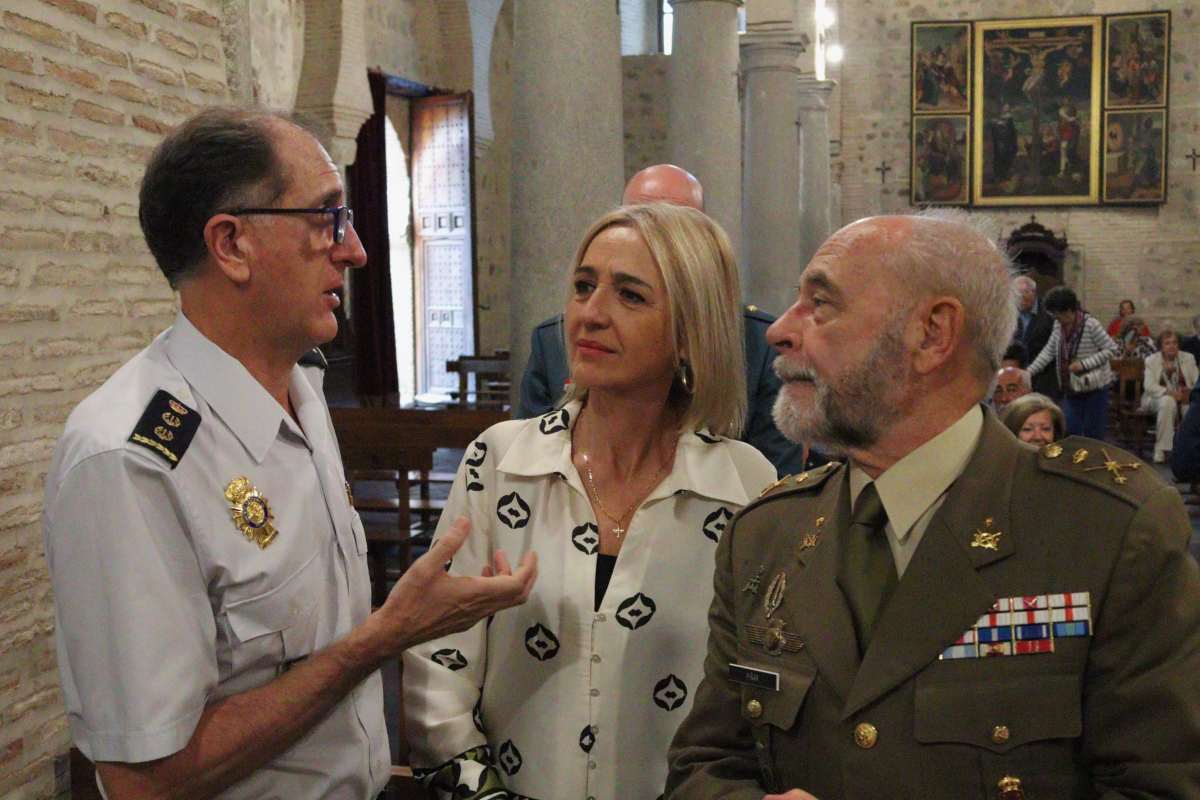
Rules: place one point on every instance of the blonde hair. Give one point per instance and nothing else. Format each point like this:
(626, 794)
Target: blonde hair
(700, 274)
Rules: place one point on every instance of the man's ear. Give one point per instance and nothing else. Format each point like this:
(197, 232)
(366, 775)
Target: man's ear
(940, 324)
(230, 248)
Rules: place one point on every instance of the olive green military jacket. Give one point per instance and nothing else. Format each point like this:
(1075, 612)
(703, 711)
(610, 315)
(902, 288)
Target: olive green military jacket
(1115, 713)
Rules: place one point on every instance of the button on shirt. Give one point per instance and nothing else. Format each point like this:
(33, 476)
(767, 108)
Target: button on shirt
(914, 488)
(164, 606)
(574, 702)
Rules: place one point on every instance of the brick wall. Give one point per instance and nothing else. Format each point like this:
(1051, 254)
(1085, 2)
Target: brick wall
(1149, 254)
(88, 90)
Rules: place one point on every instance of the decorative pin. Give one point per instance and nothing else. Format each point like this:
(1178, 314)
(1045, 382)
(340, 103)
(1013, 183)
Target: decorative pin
(774, 639)
(251, 512)
(755, 579)
(1115, 468)
(1053, 450)
(774, 485)
(775, 593)
(811, 539)
(1079, 457)
(988, 540)
(349, 495)
(801, 478)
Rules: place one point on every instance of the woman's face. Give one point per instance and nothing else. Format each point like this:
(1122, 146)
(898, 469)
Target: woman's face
(617, 321)
(1125, 309)
(1038, 429)
(1065, 318)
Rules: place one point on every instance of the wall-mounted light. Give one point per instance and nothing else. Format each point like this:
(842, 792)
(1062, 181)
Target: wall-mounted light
(834, 53)
(825, 18)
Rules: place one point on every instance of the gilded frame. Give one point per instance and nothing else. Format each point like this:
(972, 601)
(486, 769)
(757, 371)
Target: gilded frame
(1119, 29)
(940, 153)
(939, 49)
(1135, 156)
(1025, 70)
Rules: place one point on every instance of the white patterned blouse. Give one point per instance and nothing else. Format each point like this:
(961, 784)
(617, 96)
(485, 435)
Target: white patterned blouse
(553, 699)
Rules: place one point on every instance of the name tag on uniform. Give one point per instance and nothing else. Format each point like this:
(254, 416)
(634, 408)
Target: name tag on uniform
(750, 676)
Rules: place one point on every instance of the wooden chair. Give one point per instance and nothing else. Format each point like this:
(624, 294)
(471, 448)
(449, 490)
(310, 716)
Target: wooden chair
(378, 457)
(492, 381)
(1133, 424)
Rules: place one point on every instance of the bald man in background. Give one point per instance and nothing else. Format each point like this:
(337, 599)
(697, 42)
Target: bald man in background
(548, 372)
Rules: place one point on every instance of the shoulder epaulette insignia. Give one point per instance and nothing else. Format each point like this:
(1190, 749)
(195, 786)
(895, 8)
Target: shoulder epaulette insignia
(314, 358)
(1098, 464)
(166, 427)
(754, 312)
(805, 481)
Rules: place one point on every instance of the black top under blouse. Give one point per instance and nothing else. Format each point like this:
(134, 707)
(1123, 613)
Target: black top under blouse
(604, 571)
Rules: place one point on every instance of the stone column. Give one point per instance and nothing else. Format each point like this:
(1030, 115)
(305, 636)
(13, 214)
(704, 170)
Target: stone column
(771, 168)
(816, 200)
(704, 126)
(333, 80)
(568, 156)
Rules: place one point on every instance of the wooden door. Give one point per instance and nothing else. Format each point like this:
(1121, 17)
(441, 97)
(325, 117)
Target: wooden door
(443, 252)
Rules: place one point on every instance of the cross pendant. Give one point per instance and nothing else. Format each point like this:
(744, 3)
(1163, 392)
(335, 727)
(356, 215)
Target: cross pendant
(618, 531)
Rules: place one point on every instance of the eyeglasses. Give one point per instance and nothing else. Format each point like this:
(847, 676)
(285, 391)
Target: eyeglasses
(342, 216)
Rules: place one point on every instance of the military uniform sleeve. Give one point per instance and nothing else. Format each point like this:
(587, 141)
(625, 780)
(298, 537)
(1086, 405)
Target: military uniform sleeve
(443, 678)
(712, 754)
(126, 582)
(1141, 733)
(1185, 456)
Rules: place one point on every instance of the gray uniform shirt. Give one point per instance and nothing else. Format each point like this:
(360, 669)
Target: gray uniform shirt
(164, 606)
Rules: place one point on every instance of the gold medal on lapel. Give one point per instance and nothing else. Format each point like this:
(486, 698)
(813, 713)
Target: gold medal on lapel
(775, 592)
(251, 512)
(988, 540)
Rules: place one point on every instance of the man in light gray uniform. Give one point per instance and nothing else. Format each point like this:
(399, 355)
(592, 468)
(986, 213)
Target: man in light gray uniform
(215, 635)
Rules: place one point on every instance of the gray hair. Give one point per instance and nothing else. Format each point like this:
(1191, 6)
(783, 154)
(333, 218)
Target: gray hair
(1024, 281)
(951, 252)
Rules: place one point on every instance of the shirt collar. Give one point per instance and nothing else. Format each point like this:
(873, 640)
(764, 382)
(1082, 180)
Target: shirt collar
(543, 447)
(914, 483)
(229, 389)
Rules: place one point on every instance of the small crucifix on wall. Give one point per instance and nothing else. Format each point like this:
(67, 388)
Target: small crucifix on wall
(883, 169)
(1194, 156)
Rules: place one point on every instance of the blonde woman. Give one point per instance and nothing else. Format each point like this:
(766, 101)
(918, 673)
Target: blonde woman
(1035, 419)
(623, 492)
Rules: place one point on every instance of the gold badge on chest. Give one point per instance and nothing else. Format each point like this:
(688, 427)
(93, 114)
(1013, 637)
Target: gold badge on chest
(774, 638)
(775, 592)
(251, 512)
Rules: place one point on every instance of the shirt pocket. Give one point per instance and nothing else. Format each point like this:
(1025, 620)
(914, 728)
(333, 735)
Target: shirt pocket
(1022, 727)
(278, 626)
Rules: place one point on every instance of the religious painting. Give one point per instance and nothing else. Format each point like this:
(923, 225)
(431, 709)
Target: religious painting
(941, 63)
(1135, 147)
(940, 173)
(1137, 59)
(1036, 126)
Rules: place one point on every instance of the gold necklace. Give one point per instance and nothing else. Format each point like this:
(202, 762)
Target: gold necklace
(617, 530)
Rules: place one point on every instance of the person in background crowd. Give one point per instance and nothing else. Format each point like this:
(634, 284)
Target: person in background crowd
(623, 493)
(1011, 383)
(1132, 340)
(547, 373)
(1191, 344)
(1124, 310)
(1015, 355)
(213, 622)
(1081, 351)
(1170, 376)
(1035, 419)
(1033, 331)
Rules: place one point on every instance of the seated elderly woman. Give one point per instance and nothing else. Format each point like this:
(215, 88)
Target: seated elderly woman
(623, 493)
(1170, 376)
(1035, 419)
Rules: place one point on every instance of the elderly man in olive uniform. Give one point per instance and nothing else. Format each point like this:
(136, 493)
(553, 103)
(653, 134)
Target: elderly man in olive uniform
(951, 614)
(214, 629)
